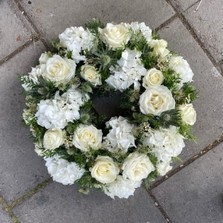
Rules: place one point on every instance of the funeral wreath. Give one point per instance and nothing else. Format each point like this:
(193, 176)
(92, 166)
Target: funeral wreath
(115, 154)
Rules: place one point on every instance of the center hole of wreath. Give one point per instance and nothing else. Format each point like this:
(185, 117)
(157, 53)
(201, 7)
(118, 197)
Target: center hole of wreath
(109, 106)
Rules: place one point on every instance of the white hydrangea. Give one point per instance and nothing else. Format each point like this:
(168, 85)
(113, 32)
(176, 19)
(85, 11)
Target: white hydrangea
(146, 31)
(63, 171)
(56, 113)
(33, 75)
(181, 66)
(165, 143)
(122, 188)
(120, 136)
(76, 39)
(129, 71)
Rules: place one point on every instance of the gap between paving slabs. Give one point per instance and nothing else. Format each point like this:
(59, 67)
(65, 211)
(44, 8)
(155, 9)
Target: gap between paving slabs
(4, 205)
(19, 200)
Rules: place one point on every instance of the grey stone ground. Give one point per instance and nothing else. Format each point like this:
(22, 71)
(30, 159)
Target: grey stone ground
(191, 193)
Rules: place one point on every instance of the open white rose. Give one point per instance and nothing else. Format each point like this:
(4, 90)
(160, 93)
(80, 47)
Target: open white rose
(87, 137)
(137, 167)
(53, 138)
(159, 47)
(188, 113)
(59, 70)
(115, 35)
(181, 66)
(163, 168)
(156, 100)
(104, 170)
(89, 73)
(153, 77)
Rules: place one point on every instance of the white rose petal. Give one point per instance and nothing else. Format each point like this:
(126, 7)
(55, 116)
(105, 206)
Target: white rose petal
(87, 137)
(53, 138)
(163, 168)
(63, 171)
(104, 170)
(156, 100)
(137, 167)
(165, 143)
(43, 58)
(181, 66)
(152, 78)
(59, 70)
(89, 73)
(122, 188)
(115, 36)
(188, 113)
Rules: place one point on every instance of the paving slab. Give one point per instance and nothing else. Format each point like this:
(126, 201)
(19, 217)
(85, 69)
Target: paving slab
(13, 37)
(53, 18)
(208, 25)
(58, 203)
(195, 194)
(20, 168)
(208, 81)
(183, 4)
(4, 218)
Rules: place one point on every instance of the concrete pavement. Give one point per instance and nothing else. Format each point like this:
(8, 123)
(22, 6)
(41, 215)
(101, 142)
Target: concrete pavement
(191, 193)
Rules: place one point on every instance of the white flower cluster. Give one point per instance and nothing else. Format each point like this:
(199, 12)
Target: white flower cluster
(63, 171)
(56, 113)
(165, 144)
(120, 137)
(129, 71)
(77, 39)
(115, 154)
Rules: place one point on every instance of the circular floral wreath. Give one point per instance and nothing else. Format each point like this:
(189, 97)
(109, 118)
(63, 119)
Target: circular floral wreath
(115, 154)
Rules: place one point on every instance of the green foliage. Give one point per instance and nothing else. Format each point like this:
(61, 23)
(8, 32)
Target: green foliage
(186, 131)
(94, 24)
(171, 79)
(42, 90)
(187, 94)
(170, 117)
(152, 176)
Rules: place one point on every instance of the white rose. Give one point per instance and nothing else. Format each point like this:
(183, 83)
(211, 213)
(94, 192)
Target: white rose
(153, 77)
(104, 170)
(89, 73)
(156, 100)
(163, 168)
(181, 66)
(188, 113)
(87, 137)
(115, 35)
(159, 47)
(137, 167)
(59, 70)
(53, 138)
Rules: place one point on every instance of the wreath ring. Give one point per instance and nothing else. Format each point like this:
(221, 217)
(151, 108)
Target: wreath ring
(68, 90)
